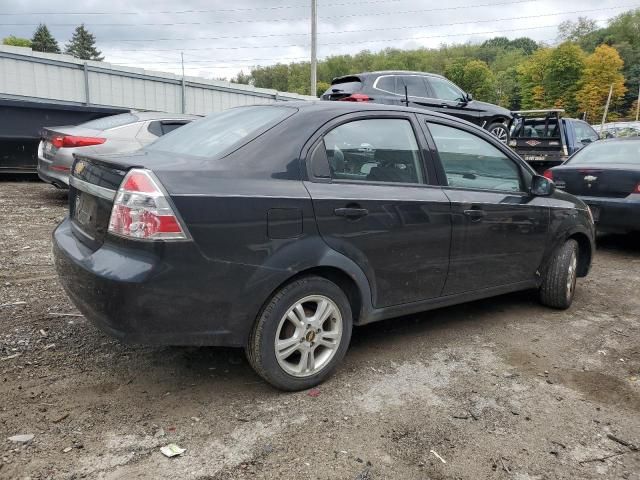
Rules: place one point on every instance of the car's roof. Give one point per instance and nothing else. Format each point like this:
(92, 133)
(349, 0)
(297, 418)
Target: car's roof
(389, 72)
(338, 108)
(163, 116)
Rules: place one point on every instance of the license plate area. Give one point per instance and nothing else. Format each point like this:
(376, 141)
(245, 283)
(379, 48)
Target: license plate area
(535, 158)
(85, 210)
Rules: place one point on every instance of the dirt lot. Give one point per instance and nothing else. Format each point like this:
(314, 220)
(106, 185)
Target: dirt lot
(501, 388)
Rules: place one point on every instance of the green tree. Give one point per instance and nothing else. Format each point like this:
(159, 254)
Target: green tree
(16, 41)
(321, 88)
(242, 78)
(43, 41)
(473, 76)
(83, 45)
(574, 31)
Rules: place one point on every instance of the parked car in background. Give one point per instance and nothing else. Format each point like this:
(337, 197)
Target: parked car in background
(618, 129)
(121, 133)
(545, 139)
(278, 227)
(606, 176)
(421, 90)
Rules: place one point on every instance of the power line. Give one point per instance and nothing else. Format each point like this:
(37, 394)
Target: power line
(385, 40)
(359, 15)
(251, 9)
(366, 30)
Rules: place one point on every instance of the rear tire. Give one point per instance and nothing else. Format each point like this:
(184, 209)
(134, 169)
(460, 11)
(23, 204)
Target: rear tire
(499, 130)
(301, 334)
(559, 283)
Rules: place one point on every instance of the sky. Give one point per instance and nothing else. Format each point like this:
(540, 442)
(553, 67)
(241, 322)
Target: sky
(220, 38)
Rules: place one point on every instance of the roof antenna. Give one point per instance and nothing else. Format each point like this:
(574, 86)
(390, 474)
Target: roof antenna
(406, 95)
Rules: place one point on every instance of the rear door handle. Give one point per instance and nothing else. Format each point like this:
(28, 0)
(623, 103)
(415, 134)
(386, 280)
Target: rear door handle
(351, 212)
(475, 214)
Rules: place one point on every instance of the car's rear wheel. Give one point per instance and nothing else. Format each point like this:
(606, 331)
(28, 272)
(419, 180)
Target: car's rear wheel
(559, 283)
(302, 334)
(500, 130)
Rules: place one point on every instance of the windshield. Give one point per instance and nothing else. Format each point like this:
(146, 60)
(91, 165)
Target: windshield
(625, 151)
(536, 128)
(216, 133)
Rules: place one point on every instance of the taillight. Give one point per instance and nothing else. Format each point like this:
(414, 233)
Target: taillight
(548, 174)
(142, 211)
(637, 189)
(71, 141)
(356, 97)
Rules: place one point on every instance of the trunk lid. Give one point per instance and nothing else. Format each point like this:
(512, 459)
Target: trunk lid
(93, 184)
(604, 180)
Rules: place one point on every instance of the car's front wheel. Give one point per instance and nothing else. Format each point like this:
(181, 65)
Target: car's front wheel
(302, 334)
(500, 130)
(559, 284)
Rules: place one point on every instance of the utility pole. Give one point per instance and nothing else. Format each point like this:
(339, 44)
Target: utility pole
(314, 40)
(638, 103)
(184, 93)
(606, 109)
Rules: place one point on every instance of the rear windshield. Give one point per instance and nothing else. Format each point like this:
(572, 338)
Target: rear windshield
(216, 133)
(351, 86)
(537, 128)
(624, 151)
(112, 121)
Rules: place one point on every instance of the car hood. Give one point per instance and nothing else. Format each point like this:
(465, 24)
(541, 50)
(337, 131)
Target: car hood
(491, 108)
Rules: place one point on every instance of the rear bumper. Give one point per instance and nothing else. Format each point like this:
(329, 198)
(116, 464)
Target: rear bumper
(615, 213)
(158, 294)
(52, 171)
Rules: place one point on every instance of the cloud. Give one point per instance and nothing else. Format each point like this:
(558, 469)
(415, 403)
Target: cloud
(219, 39)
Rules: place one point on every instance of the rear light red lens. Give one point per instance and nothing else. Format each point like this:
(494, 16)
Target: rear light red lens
(357, 97)
(72, 141)
(637, 189)
(548, 174)
(142, 211)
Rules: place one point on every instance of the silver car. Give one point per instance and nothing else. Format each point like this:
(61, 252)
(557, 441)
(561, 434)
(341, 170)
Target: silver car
(122, 133)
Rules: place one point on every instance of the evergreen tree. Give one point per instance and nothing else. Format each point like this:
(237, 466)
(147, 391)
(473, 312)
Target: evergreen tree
(83, 45)
(43, 41)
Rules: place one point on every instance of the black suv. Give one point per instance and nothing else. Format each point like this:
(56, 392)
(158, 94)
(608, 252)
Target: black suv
(423, 90)
(278, 227)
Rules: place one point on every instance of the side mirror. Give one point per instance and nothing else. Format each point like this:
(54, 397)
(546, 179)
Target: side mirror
(542, 186)
(585, 141)
(469, 97)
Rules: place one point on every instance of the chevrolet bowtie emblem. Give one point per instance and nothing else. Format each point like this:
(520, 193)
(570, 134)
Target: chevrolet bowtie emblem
(590, 178)
(532, 143)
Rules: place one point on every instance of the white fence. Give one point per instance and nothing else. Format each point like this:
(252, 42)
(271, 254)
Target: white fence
(29, 75)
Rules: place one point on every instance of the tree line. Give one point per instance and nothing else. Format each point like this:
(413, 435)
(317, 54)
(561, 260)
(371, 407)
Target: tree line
(575, 74)
(82, 44)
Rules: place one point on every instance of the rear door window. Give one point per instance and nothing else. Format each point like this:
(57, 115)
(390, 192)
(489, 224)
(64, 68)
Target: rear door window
(374, 150)
(471, 162)
(415, 86)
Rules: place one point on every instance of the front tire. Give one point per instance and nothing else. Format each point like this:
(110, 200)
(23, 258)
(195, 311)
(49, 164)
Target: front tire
(302, 334)
(499, 130)
(559, 283)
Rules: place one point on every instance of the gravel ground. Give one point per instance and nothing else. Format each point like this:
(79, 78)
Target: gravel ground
(500, 388)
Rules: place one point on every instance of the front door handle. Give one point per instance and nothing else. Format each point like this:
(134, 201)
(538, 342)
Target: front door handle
(475, 214)
(351, 212)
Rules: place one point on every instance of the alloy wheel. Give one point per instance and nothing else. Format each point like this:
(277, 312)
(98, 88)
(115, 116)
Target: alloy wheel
(571, 275)
(308, 336)
(500, 132)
